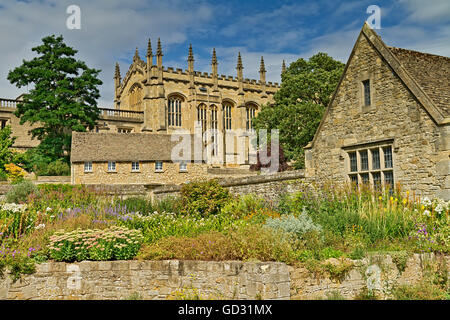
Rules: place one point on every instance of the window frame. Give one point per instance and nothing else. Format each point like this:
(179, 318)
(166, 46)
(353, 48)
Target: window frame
(159, 169)
(378, 177)
(250, 114)
(133, 167)
(183, 166)
(174, 111)
(227, 118)
(89, 167)
(112, 166)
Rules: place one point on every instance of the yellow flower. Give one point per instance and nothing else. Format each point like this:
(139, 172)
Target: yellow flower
(380, 197)
(391, 198)
(405, 201)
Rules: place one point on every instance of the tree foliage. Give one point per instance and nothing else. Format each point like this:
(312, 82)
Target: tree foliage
(63, 97)
(6, 153)
(306, 90)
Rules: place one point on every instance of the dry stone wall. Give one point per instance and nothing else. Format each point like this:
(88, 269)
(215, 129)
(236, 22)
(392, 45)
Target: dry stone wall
(176, 279)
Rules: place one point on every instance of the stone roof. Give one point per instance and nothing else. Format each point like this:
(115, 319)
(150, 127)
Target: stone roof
(432, 73)
(102, 147)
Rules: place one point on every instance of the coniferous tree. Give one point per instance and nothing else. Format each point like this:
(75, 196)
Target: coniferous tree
(62, 99)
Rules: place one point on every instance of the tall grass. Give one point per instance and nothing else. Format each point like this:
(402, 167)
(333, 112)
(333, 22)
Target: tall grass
(380, 215)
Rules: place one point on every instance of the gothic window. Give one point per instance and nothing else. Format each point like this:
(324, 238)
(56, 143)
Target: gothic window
(201, 116)
(250, 114)
(227, 116)
(135, 98)
(4, 123)
(214, 129)
(174, 112)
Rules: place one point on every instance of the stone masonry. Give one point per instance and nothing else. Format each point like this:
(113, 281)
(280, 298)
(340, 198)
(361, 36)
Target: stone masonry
(176, 279)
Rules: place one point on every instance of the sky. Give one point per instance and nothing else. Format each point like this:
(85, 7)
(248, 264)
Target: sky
(110, 31)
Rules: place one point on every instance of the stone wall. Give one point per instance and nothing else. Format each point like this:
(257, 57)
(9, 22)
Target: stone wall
(268, 186)
(53, 179)
(379, 273)
(238, 280)
(151, 280)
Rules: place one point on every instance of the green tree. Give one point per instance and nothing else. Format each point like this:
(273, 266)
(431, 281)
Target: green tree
(6, 153)
(63, 97)
(306, 90)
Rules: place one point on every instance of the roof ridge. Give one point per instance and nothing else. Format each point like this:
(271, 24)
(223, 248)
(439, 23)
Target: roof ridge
(416, 51)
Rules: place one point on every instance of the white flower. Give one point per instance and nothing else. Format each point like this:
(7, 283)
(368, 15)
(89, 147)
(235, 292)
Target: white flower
(426, 201)
(427, 213)
(48, 209)
(41, 226)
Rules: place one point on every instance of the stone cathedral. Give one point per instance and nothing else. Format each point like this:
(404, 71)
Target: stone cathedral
(173, 99)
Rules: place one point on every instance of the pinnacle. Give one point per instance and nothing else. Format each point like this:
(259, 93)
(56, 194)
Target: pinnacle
(239, 63)
(149, 48)
(214, 57)
(159, 49)
(191, 55)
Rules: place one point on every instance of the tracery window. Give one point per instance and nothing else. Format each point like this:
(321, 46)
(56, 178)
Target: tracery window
(174, 112)
(135, 98)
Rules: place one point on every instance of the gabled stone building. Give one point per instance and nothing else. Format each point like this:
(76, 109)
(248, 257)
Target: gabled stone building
(388, 121)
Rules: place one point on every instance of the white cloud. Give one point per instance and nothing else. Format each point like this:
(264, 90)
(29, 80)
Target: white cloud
(110, 30)
(431, 11)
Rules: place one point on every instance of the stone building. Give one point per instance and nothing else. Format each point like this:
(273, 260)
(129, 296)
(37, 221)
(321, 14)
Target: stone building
(169, 101)
(388, 121)
(153, 99)
(138, 158)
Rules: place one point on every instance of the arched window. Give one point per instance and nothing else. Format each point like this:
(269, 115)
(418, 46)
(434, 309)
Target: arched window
(201, 116)
(174, 112)
(214, 128)
(213, 117)
(135, 98)
(250, 114)
(227, 116)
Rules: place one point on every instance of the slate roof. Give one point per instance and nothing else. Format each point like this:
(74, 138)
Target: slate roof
(432, 73)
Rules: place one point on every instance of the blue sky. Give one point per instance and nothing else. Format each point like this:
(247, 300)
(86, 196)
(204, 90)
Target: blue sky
(112, 29)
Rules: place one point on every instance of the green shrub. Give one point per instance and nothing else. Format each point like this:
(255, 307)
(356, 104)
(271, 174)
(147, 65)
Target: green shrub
(107, 244)
(168, 204)
(161, 225)
(297, 225)
(423, 290)
(243, 206)
(250, 242)
(203, 198)
(62, 196)
(20, 192)
(57, 168)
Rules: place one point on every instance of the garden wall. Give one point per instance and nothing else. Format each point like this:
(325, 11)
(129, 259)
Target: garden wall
(151, 280)
(268, 186)
(214, 280)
